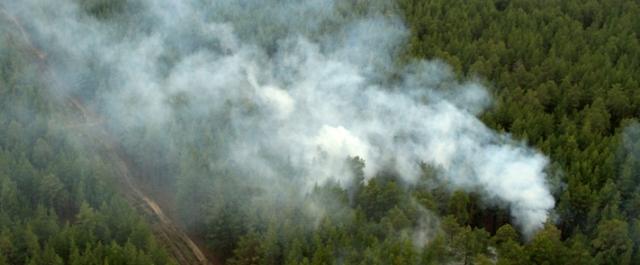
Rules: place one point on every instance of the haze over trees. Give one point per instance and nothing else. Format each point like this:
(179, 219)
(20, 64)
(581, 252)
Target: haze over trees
(562, 77)
(58, 204)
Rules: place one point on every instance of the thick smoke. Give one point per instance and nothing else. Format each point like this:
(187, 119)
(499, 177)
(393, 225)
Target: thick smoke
(306, 84)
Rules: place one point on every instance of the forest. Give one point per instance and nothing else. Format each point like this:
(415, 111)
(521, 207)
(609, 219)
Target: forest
(226, 115)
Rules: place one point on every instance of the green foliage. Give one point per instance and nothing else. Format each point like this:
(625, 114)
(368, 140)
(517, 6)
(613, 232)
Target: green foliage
(564, 74)
(564, 80)
(612, 244)
(57, 205)
(103, 8)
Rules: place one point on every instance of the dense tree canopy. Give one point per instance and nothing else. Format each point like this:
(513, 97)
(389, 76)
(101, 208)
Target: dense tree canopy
(58, 204)
(564, 76)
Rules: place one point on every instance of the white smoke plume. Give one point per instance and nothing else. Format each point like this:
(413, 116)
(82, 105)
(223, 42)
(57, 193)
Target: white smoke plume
(305, 83)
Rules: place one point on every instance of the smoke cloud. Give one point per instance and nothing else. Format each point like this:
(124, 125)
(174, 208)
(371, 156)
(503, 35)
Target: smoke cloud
(304, 84)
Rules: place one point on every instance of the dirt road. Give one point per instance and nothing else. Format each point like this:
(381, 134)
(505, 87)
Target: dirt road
(184, 250)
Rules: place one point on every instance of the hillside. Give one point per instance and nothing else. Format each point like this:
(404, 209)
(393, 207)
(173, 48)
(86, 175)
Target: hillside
(319, 132)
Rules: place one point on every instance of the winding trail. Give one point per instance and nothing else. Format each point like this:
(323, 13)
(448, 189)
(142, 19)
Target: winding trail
(177, 242)
(41, 55)
(184, 250)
